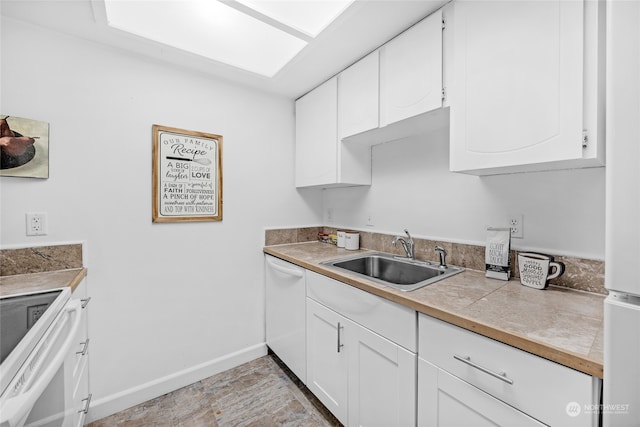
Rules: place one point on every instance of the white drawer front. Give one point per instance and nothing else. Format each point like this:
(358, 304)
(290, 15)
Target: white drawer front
(81, 396)
(393, 321)
(540, 388)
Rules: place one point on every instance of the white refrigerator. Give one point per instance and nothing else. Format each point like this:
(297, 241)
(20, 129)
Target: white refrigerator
(621, 385)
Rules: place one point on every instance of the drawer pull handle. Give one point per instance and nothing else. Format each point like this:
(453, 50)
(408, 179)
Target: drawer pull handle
(84, 348)
(340, 345)
(85, 302)
(87, 401)
(502, 376)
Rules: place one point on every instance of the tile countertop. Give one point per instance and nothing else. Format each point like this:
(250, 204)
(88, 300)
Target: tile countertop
(558, 324)
(33, 282)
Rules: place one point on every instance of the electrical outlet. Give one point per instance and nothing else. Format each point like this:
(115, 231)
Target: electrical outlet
(329, 215)
(516, 222)
(36, 223)
(370, 222)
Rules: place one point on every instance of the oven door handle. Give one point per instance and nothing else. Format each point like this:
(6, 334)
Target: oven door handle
(16, 409)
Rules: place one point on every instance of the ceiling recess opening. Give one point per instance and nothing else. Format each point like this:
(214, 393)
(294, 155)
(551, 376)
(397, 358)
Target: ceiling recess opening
(260, 36)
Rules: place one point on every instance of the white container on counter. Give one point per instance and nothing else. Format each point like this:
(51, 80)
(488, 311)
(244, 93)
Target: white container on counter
(352, 240)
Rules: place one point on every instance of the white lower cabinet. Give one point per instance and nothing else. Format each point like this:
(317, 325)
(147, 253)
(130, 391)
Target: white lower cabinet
(382, 377)
(79, 360)
(445, 400)
(363, 378)
(327, 363)
(361, 363)
(464, 376)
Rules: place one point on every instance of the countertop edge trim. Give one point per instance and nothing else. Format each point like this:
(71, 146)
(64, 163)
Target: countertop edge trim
(78, 278)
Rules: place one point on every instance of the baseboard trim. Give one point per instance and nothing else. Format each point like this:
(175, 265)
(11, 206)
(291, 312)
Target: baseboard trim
(104, 406)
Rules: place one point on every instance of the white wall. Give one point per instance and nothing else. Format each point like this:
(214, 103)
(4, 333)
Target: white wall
(412, 188)
(170, 301)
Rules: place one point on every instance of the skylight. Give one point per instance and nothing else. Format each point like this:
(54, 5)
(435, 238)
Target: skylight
(260, 36)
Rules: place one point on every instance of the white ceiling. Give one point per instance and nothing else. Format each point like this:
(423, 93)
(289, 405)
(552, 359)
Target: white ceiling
(363, 27)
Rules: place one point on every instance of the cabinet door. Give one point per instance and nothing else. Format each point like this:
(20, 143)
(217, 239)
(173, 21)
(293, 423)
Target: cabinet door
(285, 313)
(321, 160)
(358, 97)
(382, 381)
(444, 400)
(411, 71)
(517, 90)
(317, 136)
(327, 361)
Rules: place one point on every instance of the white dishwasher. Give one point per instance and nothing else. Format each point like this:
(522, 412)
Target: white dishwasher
(286, 313)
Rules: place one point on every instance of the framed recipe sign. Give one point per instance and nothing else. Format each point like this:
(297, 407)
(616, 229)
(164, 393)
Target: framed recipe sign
(187, 175)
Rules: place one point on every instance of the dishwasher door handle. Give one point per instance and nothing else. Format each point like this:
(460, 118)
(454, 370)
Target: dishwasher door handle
(285, 270)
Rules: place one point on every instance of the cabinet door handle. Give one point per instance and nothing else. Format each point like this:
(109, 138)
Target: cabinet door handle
(85, 302)
(340, 345)
(502, 376)
(86, 405)
(84, 348)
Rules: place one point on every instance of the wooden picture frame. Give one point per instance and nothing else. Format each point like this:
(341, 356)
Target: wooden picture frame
(187, 175)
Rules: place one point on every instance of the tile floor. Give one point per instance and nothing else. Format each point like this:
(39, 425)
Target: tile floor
(261, 393)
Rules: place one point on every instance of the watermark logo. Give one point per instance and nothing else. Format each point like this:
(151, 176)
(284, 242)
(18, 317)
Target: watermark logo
(573, 409)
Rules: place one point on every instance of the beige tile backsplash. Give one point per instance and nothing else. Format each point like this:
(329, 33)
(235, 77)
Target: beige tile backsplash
(40, 259)
(580, 274)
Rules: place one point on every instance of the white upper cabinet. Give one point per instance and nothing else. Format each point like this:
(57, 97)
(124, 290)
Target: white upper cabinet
(411, 72)
(526, 85)
(358, 97)
(383, 97)
(396, 91)
(316, 135)
(321, 159)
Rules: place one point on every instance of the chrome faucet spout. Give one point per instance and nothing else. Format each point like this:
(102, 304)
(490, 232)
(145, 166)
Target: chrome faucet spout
(443, 256)
(407, 245)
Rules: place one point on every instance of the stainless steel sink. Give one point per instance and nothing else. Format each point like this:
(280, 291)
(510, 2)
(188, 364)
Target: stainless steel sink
(397, 272)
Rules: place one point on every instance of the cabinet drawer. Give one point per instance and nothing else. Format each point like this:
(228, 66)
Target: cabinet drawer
(540, 388)
(393, 321)
(81, 347)
(81, 395)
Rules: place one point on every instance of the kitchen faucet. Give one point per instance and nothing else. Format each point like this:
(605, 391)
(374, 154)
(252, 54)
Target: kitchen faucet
(407, 245)
(443, 256)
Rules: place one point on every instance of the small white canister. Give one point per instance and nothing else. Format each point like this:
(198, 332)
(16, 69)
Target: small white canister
(341, 238)
(352, 240)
